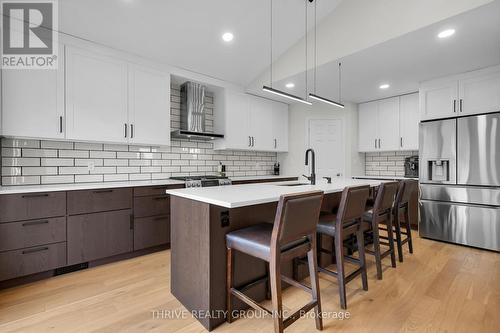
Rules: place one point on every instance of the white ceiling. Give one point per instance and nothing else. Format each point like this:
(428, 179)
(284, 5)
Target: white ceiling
(412, 58)
(187, 33)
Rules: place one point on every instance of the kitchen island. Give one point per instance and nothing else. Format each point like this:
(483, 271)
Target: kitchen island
(201, 217)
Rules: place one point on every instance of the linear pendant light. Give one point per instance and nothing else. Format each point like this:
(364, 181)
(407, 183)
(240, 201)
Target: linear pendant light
(315, 96)
(277, 92)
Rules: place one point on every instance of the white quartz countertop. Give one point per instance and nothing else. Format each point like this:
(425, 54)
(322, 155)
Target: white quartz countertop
(85, 186)
(100, 185)
(383, 177)
(253, 194)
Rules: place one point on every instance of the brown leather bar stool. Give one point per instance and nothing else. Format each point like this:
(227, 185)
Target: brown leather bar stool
(381, 213)
(348, 221)
(292, 235)
(401, 215)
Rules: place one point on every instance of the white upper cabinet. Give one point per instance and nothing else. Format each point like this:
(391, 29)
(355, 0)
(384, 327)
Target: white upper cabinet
(439, 99)
(367, 127)
(465, 94)
(251, 123)
(232, 114)
(408, 121)
(261, 124)
(149, 106)
(388, 124)
(280, 127)
(97, 97)
(33, 102)
(480, 94)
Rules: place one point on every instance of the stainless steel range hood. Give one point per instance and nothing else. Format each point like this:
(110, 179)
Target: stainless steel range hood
(193, 114)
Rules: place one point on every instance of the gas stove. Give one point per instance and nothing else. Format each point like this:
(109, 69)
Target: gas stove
(203, 181)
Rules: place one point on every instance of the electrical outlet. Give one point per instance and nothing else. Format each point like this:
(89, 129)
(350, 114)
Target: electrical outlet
(91, 165)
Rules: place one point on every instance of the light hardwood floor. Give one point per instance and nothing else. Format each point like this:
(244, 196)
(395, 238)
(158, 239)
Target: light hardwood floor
(440, 288)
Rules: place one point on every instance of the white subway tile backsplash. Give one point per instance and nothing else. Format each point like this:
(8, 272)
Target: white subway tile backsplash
(11, 152)
(88, 146)
(39, 171)
(22, 161)
(20, 143)
(55, 162)
(57, 144)
(58, 179)
(30, 152)
(74, 153)
(386, 163)
(88, 178)
(102, 154)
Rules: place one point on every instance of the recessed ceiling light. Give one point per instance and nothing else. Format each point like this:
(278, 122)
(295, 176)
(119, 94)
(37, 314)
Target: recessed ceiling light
(227, 37)
(384, 86)
(290, 85)
(446, 33)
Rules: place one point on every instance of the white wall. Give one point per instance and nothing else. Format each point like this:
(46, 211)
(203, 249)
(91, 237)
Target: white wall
(292, 163)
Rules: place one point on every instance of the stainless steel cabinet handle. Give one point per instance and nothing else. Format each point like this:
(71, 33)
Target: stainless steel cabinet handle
(378, 143)
(27, 196)
(401, 143)
(375, 143)
(454, 105)
(275, 143)
(103, 191)
(249, 141)
(125, 129)
(253, 141)
(461, 104)
(27, 224)
(60, 124)
(131, 131)
(39, 249)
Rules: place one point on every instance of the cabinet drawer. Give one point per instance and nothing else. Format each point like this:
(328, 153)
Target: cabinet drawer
(102, 200)
(154, 190)
(18, 235)
(17, 207)
(99, 235)
(151, 206)
(32, 260)
(151, 231)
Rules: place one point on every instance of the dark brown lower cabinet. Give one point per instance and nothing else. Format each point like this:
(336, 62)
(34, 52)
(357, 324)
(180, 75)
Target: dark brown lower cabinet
(151, 231)
(99, 235)
(32, 260)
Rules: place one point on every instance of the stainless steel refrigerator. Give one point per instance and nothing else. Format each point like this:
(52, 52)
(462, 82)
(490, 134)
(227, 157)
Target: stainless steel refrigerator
(460, 180)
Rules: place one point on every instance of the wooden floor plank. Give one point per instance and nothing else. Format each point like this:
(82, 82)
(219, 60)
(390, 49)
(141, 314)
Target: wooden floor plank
(440, 288)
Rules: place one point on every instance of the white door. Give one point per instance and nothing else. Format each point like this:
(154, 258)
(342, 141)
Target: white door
(480, 94)
(237, 108)
(33, 102)
(280, 127)
(367, 127)
(326, 138)
(388, 124)
(261, 124)
(96, 100)
(149, 107)
(408, 121)
(439, 100)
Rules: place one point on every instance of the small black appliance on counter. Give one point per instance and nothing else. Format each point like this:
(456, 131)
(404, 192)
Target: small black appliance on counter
(411, 167)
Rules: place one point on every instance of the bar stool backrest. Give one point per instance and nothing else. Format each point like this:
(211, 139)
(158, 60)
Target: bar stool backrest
(352, 204)
(384, 201)
(296, 217)
(405, 191)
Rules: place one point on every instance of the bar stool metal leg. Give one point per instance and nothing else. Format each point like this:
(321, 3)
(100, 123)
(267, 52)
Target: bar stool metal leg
(229, 285)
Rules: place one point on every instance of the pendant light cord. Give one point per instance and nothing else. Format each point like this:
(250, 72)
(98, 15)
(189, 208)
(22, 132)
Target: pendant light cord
(306, 43)
(271, 46)
(340, 82)
(315, 45)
